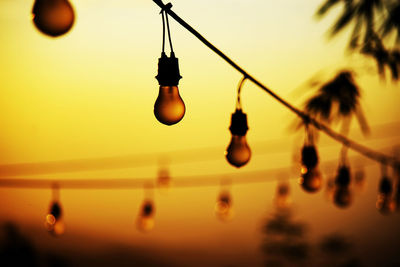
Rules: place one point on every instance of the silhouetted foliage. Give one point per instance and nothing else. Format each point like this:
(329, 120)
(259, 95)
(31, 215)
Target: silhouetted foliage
(373, 22)
(338, 99)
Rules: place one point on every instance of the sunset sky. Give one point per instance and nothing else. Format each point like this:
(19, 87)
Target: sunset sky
(85, 100)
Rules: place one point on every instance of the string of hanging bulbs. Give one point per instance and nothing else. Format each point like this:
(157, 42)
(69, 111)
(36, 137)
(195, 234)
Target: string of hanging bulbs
(56, 17)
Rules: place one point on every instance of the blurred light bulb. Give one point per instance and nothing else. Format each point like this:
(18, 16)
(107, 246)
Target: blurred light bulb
(223, 207)
(145, 220)
(53, 222)
(385, 204)
(342, 197)
(311, 180)
(238, 152)
(53, 17)
(282, 197)
(169, 107)
(309, 156)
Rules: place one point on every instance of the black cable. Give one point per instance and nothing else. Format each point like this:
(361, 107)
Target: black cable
(169, 33)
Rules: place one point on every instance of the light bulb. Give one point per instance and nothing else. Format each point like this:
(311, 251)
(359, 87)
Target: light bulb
(53, 17)
(342, 197)
(169, 108)
(145, 220)
(311, 180)
(223, 207)
(53, 222)
(282, 198)
(385, 204)
(238, 152)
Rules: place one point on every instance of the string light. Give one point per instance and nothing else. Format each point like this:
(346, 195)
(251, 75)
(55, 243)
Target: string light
(385, 203)
(53, 222)
(238, 152)
(145, 219)
(53, 17)
(342, 194)
(169, 107)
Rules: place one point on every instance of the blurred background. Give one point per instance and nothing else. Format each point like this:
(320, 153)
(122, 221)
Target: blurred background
(80, 106)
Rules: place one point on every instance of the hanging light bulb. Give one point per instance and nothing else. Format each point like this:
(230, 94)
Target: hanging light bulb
(282, 198)
(311, 180)
(169, 108)
(53, 222)
(238, 152)
(385, 204)
(223, 207)
(145, 221)
(53, 17)
(343, 196)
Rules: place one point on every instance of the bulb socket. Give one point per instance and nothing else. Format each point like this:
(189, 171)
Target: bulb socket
(168, 70)
(385, 186)
(343, 177)
(239, 123)
(55, 210)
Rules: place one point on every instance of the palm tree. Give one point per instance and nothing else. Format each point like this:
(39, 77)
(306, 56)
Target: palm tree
(373, 21)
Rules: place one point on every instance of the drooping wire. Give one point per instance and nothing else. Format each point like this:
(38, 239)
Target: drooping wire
(239, 90)
(165, 21)
(163, 33)
(169, 32)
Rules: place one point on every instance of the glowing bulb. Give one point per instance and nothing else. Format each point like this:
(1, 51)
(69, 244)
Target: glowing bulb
(342, 197)
(282, 198)
(311, 181)
(309, 156)
(53, 222)
(169, 107)
(145, 220)
(385, 204)
(238, 152)
(53, 17)
(223, 207)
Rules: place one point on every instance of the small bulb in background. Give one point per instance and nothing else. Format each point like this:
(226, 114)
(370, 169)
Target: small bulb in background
(343, 196)
(282, 196)
(169, 107)
(53, 17)
(145, 220)
(223, 207)
(311, 180)
(53, 222)
(238, 152)
(385, 204)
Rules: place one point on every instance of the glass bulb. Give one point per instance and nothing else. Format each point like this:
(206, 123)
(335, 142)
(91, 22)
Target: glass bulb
(169, 107)
(223, 207)
(342, 197)
(53, 222)
(385, 204)
(311, 180)
(238, 152)
(145, 220)
(53, 17)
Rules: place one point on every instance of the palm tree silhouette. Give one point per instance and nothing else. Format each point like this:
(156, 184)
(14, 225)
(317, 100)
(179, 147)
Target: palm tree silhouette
(373, 21)
(338, 99)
